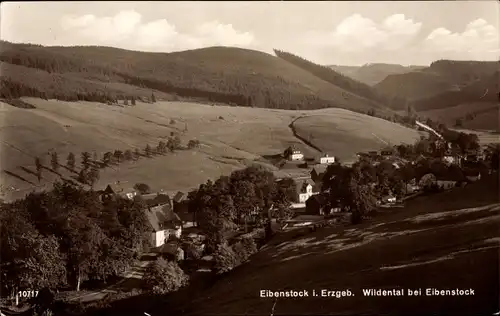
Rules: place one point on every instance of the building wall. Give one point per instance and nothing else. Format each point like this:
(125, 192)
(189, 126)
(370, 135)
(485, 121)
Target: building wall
(446, 184)
(159, 238)
(303, 197)
(297, 156)
(327, 160)
(176, 232)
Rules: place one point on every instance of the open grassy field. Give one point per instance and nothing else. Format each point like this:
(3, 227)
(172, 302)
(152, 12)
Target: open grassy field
(345, 133)
(231, 138)
(444, 241)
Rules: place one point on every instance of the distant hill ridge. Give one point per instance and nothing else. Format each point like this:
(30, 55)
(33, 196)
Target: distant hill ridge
(373, 73)
(442, 80)
(215, 74)
(328, 74)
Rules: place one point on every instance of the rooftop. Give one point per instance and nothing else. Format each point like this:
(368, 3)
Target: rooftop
(161, 217)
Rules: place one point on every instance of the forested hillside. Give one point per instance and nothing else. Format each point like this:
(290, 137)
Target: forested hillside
(444, 83)
(485, 89)
(328, 74)
(216, 74)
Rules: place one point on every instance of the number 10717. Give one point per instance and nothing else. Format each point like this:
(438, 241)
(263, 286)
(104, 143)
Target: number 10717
(28, 293)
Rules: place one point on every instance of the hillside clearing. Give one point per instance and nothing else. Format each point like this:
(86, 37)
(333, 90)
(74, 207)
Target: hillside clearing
(344, 133)
(235, 134)
(486, 115)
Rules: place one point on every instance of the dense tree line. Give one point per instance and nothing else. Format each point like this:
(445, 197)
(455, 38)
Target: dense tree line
(247, 197)
(66, 236)
(484, 90)
(342, 81)
(82, 73)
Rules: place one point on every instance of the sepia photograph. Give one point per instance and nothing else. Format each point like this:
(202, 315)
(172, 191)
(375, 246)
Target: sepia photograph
(251, 158)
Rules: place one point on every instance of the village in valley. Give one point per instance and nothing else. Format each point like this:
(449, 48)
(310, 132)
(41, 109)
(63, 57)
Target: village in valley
(397, 174)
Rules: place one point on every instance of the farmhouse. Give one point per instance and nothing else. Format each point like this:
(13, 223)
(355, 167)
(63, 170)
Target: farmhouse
(389, 199)
(306, 189)
(111, 192)
(297, 155)
(449, 180)
(386, 153)
(452, 159)
(156, 199)
(325, 160)
(164, 224)
(318, 205)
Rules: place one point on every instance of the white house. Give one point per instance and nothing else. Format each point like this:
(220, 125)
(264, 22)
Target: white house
(306, 189)
(389, 199)
(131, 195)
(164, 223)
(297, 155)
(327, 159)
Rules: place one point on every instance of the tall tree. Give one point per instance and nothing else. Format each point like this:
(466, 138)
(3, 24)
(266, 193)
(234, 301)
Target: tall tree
(85, 160)
(93, 176)
(177, 142)
(29, 259)
(162, 147)
(137, 153)
(54, 161)
(128, 155)
(118, 154)
(71, 161)
(349, 190)
(153, 98)
(107, 158)
(39, 168)
(83, 176)
(148, 150)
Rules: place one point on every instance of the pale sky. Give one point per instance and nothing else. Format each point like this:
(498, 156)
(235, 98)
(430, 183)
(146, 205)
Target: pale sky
(343, 33)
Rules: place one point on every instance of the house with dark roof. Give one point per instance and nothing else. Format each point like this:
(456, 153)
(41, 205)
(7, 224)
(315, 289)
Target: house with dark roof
(156, 199)
(447, 180)
(112, 191)
(318, 172)
(164, 224)
(326, 159)
(179, 197)
(318, 204)
(305, 189)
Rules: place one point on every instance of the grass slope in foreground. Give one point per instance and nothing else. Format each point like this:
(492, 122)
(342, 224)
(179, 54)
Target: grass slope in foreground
(231, 138)
(446, 241)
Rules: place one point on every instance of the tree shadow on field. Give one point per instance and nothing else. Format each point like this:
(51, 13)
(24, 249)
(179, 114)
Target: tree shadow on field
(27, 170)
(53, 171)
(69, 169)
(12, 174)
